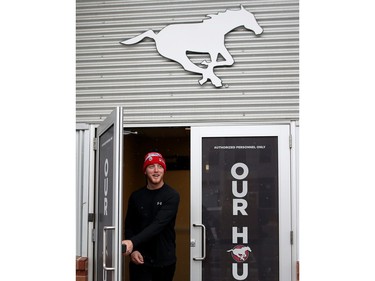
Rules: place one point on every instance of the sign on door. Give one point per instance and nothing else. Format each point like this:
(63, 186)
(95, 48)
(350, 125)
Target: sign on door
(240, 208)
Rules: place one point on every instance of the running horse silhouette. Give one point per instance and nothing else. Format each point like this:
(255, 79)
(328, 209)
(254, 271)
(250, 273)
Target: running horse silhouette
(175, 40)
(240, 252)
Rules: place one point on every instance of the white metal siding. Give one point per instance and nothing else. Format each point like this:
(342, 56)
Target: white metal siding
(82, 188)
(84, 192)
(262, 85)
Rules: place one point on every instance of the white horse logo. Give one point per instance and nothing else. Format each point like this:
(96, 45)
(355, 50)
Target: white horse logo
(204, 37)
(239, 253)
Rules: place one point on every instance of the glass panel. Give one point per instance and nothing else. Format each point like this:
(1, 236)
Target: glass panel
(105, 202)
(240, 208)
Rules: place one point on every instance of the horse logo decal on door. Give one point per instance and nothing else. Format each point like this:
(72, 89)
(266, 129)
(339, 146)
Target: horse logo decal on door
(240, 253)
(175, 40)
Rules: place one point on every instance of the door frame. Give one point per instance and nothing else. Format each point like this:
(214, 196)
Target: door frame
(294, 154)
(115, 119)
(287, 190)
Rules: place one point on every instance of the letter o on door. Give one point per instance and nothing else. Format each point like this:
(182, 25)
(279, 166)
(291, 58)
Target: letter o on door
(244, 174)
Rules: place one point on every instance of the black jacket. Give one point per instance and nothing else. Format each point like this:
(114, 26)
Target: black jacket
(150, 222)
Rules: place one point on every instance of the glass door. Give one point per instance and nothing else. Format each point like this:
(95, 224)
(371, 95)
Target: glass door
(240, 203)
(108, 188)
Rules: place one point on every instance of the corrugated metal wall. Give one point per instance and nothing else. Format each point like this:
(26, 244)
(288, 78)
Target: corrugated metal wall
(82, 188)
(262, 85)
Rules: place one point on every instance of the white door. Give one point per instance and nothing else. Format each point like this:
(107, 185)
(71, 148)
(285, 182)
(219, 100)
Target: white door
(108, 188)
(240, 203)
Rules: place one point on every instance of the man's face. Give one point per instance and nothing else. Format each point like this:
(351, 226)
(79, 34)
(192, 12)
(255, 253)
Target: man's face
(154, 173)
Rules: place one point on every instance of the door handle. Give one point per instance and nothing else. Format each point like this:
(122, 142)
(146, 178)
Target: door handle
(105, 247)
(203, 242)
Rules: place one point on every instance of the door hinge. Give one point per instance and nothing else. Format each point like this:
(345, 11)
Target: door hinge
(95, 143)
(290, 141)
(93, 235)
(91, 217)
(291, 237)
(297, 270)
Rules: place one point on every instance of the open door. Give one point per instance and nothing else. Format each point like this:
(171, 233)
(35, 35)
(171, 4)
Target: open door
(241, 203)
(108, 198)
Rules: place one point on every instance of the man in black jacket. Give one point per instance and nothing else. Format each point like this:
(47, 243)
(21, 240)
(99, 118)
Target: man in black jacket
(150, 237)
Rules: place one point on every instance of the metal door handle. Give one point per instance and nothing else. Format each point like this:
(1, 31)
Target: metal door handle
(203, 242)
(105, 247)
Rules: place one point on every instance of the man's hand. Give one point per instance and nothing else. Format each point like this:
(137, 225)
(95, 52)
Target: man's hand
(129, 246)
(136, 257)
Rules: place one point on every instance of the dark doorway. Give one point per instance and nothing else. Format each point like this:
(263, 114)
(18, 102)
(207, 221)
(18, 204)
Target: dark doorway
(174, 144)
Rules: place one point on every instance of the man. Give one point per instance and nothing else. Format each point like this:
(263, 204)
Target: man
(149, 225)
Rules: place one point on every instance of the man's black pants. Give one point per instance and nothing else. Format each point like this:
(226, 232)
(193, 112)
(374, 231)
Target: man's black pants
(150, 273)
